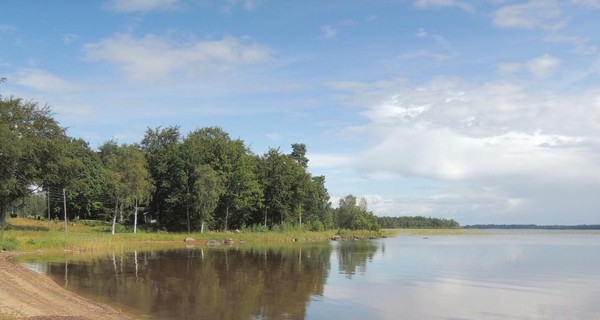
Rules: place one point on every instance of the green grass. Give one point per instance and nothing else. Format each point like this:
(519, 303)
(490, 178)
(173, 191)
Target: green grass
(27, 235)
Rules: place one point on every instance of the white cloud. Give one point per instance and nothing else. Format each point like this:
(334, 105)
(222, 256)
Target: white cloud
(153, 58)
(581, 45)
(42, 81)
(593, 4)
(421, 33)
(143, 6)
(505, 152)
(248, 5)
(544, 66)
(540, 67)
(328, 32)
(426, 4)
(530, 15)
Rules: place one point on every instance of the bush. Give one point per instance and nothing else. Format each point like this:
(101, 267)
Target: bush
(256, 228)
(8, 243)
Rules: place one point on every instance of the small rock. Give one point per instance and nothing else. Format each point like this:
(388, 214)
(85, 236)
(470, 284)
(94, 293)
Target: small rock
(189, 239)
(228, 241)
(212, 243)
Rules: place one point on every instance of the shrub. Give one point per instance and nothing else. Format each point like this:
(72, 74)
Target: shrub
(8, 243)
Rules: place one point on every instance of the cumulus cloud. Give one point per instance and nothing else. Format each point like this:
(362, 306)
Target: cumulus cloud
(153, 57)
(142, 6)
(501, 149)
(43, 81)
(426, 4)
(593, 4)
(540, 67)
(530, 15)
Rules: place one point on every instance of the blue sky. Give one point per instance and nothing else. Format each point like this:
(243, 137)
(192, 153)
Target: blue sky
(480, 111)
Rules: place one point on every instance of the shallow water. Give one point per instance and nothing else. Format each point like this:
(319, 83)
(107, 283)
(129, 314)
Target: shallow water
(548, 275)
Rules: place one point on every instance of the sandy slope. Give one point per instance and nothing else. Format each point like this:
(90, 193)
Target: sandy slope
(29, 294)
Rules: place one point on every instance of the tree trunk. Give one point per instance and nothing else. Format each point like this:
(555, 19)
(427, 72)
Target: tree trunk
(265, 216)
(135, 212)
(187, 208)
(114, 221)
(226, 216)
(202, 227)
(2, 217)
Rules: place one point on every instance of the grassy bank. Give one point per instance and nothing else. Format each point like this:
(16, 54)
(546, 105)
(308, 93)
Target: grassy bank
(26, 235)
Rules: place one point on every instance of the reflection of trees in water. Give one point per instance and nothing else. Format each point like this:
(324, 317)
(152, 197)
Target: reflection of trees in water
(207, 283)
(353, 256)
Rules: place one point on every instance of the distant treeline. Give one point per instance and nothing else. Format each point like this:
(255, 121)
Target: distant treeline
(417, 223)
(534, 226)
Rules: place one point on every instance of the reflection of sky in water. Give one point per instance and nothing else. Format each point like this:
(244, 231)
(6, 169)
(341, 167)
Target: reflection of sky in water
(470, 277)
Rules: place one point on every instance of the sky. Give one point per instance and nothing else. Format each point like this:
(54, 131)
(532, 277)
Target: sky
(482, 111)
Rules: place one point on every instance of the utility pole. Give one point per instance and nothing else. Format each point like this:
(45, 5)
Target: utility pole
(65, 207)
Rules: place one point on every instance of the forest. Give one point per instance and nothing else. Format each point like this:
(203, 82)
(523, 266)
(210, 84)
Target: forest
(417, 222)
(203, 180)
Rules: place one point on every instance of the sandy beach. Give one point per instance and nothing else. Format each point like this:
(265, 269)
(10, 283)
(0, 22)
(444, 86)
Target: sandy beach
(27, 294)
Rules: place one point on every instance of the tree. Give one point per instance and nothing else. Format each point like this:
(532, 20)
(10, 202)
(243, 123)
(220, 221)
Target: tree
(128, 178)
(205, 194)
(81, 173)
(353, 216)
(232, 162)
(284, 183)
(299, 154)
(162, 149)
(31, 144)
(136, 179)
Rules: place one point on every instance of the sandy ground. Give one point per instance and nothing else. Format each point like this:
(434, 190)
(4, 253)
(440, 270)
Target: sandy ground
(26, 294)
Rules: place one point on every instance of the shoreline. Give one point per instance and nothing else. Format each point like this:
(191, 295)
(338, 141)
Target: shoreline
(27, 294)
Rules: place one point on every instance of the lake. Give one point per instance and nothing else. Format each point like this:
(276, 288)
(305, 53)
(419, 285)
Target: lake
(497, 275)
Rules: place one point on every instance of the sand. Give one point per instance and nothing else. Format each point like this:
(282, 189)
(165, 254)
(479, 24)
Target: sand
(27, 294)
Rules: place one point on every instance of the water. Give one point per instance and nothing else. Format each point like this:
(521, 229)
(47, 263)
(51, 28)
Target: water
(549, 275)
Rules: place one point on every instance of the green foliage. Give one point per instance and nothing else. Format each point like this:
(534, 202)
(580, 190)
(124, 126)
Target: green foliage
(417, 223)
(8, 243)
(182, 183)
(353, 216)
(31, 145)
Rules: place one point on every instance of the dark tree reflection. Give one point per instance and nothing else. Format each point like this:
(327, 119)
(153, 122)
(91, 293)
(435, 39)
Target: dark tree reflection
(224, 283)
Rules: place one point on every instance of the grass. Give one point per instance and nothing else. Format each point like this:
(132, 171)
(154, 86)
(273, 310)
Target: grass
(28, 235)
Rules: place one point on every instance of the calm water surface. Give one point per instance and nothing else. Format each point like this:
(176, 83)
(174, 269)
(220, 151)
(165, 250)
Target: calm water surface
(503, 276)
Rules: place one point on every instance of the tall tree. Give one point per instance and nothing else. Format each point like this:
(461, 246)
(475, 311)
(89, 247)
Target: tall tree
(284, 183)
(161, 147)
(231, 160)
(31, 144)
(299, 154)
(353, 215)
(136, 179)
(205, 193)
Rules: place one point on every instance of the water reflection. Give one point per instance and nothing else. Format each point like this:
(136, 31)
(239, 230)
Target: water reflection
(226, 283)
(353, 255)
(543, 276)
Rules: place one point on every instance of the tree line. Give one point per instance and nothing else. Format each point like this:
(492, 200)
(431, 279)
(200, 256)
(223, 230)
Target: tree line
(204, 179)
(417, 222)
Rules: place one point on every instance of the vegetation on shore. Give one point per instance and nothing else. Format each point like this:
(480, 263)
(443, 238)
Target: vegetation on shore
(202, 180)
(28, 235)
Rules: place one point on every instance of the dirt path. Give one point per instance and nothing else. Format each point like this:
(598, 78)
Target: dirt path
(24, 293)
